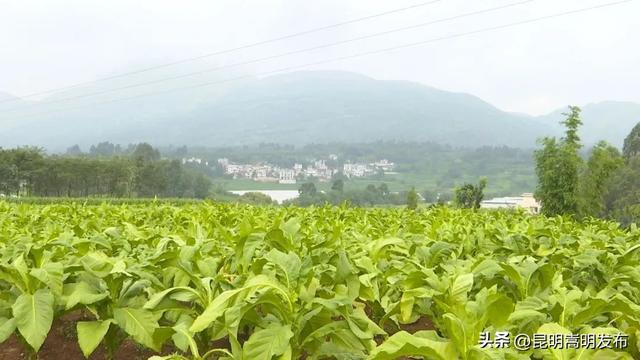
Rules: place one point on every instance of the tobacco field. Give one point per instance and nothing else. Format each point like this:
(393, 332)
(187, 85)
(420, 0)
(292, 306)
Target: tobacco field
(229, 281)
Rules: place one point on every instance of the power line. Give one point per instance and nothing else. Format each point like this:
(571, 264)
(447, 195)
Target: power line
(271, 57)
(263, 42)
(342, 58)
(299, 51)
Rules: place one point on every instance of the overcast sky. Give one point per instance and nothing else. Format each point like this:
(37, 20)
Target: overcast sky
(534, 68)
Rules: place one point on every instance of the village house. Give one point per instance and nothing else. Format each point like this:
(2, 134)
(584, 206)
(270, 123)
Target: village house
(525, 201)
(318, 169)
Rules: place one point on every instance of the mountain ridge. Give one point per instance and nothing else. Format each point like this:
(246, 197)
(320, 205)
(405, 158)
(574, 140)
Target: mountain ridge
(312, 107)
(5, 96)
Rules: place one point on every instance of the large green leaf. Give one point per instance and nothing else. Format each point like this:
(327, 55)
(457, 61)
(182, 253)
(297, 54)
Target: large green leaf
(266, 343)
(422, 343)
(184, 294)
(90, 334)
(341, 343)
(34, 316)
(213, 311)
(459, 332)
(291, 227)
(289, 263)
(553, 353)
(498, 310)
(50, 274)
(461, 287)
(97, 263)
(7, 327)
(81, 293)
(140, 324)
(223, 301)
(183, 338)
(246, 248)
(408, 299)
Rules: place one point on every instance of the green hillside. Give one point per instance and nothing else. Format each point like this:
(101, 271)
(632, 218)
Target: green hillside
(301, 108)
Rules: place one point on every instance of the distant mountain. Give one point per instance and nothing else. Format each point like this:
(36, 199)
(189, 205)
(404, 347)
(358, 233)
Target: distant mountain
(308, 107)
(4, 97)
(611, 121)
(318, 107)
(7, 102)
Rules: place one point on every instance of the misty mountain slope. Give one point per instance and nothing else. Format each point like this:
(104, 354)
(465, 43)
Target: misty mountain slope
(4, 97)
(7, 122)
(611, 121)
(308, 107)
(90, 119)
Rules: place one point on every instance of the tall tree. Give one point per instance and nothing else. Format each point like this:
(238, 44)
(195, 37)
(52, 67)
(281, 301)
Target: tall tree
(145, 153)
(338, 185)
(604, 161)
(74, 150)
(8, 173)
(631, 146)
(622, 199)
(412, 199)
(572, 123)
(102, 149)
(558, 165)
(201, 186)
(307, 189)
(470, 196)
(28, 163)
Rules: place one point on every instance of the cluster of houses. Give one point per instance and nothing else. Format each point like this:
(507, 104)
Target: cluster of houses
(362, 170)
(320, 170)
(194, 160)
(317, 169)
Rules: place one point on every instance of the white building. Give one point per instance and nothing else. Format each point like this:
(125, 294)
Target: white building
(320, 165)
(261, 173)
(525, 201)
(355, 170)
(384, 165)
(286, 176)
(194, 160)
(233, 169)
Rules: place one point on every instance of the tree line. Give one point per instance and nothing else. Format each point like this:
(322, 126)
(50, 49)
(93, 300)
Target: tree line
(605, 184)
(371, 195)
(139, 172)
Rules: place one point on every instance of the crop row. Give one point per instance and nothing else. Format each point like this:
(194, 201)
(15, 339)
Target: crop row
(242, 282)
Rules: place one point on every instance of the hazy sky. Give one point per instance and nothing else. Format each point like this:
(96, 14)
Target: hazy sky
(534, 68)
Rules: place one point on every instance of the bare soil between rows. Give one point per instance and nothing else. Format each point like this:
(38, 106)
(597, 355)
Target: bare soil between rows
(62, 343)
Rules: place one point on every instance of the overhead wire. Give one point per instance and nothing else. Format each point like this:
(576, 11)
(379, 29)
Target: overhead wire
(226, 51)
(271, 57)
(352, 56)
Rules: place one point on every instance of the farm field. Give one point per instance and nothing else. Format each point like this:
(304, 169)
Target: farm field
(204, 280)
(501, 184)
